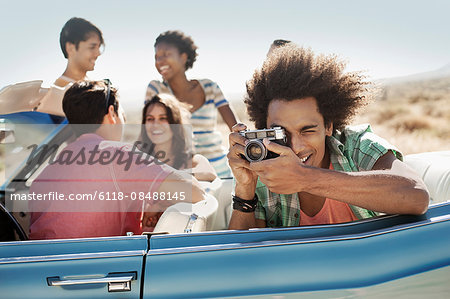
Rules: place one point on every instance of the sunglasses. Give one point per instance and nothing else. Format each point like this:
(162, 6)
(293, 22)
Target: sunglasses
(108, 93)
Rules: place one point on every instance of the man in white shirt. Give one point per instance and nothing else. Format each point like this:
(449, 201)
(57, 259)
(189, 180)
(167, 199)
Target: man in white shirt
(81, 43)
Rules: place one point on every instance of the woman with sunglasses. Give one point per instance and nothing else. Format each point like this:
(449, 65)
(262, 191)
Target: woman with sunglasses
(175, 53)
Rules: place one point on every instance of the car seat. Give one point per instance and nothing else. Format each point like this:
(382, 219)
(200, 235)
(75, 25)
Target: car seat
(187, 218)
(434, 169)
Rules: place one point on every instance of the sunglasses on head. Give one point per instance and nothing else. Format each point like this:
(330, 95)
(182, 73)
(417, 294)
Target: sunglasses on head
(108, 93)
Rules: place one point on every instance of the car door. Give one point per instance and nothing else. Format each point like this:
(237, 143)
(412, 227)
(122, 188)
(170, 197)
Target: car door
(70, 268)
(110, 267)
(374, 258)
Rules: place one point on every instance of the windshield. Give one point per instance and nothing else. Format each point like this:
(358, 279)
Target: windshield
(19, 142)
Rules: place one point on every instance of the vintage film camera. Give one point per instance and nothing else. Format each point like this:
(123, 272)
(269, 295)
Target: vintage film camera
(255, 150)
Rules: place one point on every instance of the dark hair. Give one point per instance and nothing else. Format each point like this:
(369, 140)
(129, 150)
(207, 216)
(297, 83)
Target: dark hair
(293, 72)
(174, 115)
(182, 42)
(85, 102)
(280, 42)
(77, 30)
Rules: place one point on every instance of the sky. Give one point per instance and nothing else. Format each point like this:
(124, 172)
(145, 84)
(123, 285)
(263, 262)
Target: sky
(385, 38)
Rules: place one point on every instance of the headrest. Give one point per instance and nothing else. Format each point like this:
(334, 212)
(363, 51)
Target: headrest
(434, 169)
(178, 216)
(24, 96)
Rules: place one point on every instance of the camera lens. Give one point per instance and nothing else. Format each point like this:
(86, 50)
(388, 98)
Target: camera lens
(255, 151)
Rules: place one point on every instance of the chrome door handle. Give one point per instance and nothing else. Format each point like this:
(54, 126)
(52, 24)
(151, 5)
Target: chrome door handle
(115, 283)
(69, 282)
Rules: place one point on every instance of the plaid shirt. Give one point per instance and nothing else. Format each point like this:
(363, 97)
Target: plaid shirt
(355, 149)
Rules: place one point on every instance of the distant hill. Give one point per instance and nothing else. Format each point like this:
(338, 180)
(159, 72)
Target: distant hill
(425, 76)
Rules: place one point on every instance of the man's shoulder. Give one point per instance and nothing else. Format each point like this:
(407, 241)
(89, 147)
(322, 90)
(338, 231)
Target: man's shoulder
(61, 83)
(116, 145)
(92, 145)
(354, 136)
(361, 145)
(92, 140)
(363, 136)
(353, 132)
(85, 141)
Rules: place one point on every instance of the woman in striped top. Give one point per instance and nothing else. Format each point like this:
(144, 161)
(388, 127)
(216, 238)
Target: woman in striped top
(175, 53)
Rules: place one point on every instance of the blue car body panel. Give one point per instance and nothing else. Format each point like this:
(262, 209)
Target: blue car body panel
(300, 265)
(375, 256)
(430, 284)
(26, 266)
(289, 233)
(28, 117)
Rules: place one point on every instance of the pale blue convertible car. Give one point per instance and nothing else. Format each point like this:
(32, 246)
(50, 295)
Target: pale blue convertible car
(195, 256)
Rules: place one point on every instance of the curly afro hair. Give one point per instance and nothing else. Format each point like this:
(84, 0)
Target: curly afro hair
(293, 72)
(182, 42)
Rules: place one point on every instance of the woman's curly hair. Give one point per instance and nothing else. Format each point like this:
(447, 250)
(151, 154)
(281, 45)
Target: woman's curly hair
(293, 72)
(182, 42)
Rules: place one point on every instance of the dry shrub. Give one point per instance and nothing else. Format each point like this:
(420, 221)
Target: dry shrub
(433, 111)
(240, 110)
(444, 135)
(417, 98)
(414, 142)
(411, 123)
(440, 109)
(388, 112)
(421, 98)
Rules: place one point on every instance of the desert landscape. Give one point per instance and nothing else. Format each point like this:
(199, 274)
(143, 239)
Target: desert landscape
(412, 112)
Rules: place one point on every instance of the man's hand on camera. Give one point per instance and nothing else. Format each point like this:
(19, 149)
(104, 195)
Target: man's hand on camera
(280, 174)
(245, 178)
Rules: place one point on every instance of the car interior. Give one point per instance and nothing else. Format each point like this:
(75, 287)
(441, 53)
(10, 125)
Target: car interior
(212, 214)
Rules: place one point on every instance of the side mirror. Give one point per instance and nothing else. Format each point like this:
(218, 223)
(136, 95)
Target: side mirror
(6, 132)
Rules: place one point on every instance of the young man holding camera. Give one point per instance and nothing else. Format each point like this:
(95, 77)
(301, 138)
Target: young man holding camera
(327, 172)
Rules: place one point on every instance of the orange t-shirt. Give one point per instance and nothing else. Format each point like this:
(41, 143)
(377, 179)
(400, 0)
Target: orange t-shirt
(333, 211)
